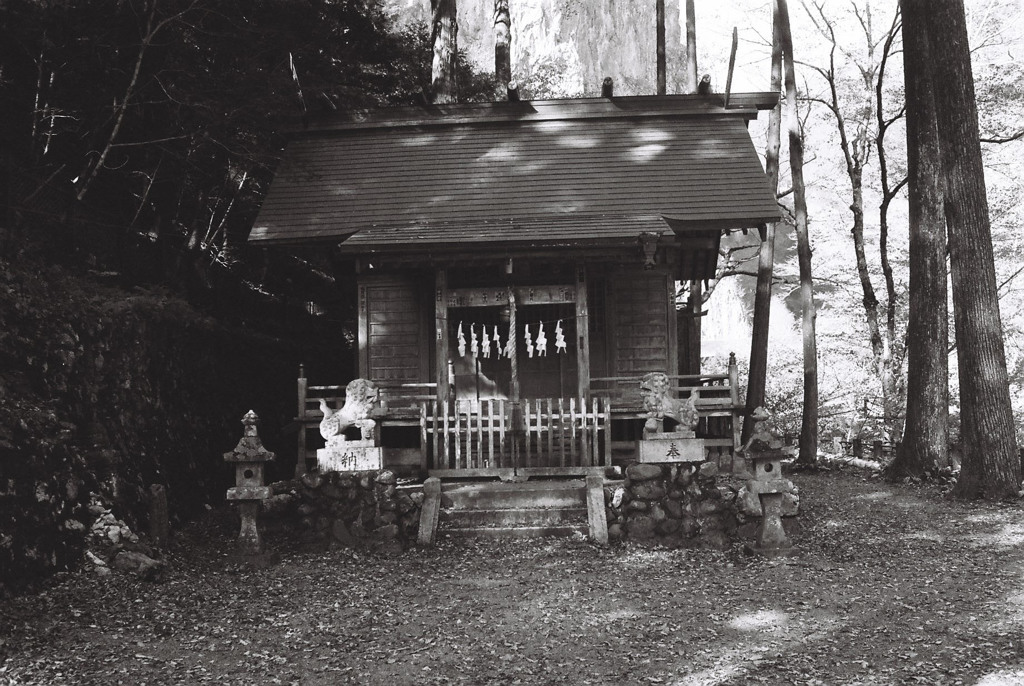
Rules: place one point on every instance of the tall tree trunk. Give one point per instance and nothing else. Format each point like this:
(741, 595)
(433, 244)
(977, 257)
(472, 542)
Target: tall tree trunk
(808, 455)
(691, 48)
(991, 464)
(444, 39)
(659, 35)
(502, 46)
(856, 154)
(926, 438)
(758, 374)
(893, 355)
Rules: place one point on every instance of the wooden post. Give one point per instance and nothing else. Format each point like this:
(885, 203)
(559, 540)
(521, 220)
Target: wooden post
(693, 331)
(518, 429)
(513, 350)
(674, 330)
(596, 516)
(582, 332)
(734, 399)
(430, 512)
(364, 334)
(300, 452)
(441, 333)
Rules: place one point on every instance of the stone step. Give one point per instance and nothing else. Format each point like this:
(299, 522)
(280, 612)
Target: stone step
(501, 495)
(520, 517)
(499, 532)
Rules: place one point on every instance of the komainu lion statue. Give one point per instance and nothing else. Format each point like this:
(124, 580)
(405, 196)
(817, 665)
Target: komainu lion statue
(659, 404)
(361, 396)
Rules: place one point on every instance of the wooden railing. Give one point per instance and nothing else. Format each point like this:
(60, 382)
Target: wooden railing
(545, 435)
(400, 403)
(716, 397)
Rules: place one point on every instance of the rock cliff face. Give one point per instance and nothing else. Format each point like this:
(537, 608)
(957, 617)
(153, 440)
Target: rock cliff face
(105, 393)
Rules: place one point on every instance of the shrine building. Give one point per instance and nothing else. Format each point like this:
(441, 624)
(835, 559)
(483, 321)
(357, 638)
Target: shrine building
(516, 267)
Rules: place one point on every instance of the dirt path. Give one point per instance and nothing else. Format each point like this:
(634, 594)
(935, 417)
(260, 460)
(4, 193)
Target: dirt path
(893, 585)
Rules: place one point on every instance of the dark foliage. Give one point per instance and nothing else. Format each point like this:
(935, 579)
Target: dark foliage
(135, 122)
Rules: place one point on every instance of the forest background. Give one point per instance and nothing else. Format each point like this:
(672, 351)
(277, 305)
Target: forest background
(161, 122)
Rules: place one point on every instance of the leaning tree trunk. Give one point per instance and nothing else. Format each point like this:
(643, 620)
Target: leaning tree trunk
(809, 425)
(444, 39)
(758, 374)
(991, 464)
(926, 437)
(502, 46)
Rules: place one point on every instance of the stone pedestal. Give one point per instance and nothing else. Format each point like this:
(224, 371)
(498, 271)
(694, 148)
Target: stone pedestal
(350, 456)
(769, 487)
(678, 446)
(772, 540)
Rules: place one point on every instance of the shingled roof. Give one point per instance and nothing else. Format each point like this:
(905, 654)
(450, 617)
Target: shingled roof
(577, 172)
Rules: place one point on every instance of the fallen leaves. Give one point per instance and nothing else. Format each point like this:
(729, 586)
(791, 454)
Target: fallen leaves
(867, 602)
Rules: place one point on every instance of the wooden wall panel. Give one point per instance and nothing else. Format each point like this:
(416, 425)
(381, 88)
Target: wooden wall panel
(640, 323)
(392, 333)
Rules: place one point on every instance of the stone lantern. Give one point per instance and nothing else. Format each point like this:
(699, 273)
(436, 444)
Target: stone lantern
(249, 456)
(764, 450)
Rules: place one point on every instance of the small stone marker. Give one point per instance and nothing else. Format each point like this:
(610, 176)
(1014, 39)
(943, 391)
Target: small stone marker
(249, 456)
(350, 456)
(159, 524)
(671, 446)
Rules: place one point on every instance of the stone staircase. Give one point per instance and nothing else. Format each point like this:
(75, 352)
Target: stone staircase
(529, 509)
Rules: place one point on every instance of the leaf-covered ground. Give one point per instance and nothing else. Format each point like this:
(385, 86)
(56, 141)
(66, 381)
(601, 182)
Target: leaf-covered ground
(892, 585)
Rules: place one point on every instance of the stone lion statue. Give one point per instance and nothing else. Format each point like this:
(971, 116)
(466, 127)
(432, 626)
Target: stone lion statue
(655, 389)
(361, 397)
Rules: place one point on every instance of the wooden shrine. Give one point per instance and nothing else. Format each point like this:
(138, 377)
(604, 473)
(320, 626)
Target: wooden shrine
(515, 267)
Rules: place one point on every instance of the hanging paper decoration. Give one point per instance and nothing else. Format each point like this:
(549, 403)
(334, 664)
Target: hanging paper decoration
(497, 342)
(529, 341)
(559, 338)
(462, 341)
(474, 344)
(486, 343)
(509, 343)
(542, 341)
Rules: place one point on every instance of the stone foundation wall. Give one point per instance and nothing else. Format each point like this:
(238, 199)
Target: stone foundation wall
(683, 505)
(347, 508)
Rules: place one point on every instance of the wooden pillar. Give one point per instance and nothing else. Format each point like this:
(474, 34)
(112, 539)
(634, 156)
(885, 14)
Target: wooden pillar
(675, 329)
(513, 349)
(582, 332)
(441, 332)
(364, 335)
(692, 361)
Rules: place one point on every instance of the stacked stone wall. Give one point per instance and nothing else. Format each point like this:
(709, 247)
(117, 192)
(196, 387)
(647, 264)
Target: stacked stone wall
(347, 508)
(683, 505)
